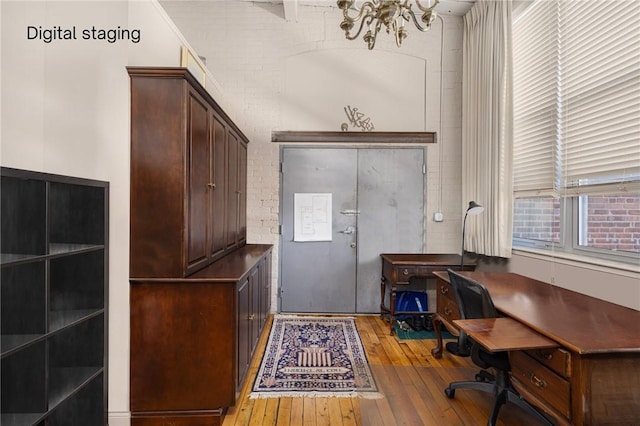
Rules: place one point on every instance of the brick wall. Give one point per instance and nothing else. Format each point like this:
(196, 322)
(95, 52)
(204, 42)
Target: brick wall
(613, 222)
(537, 219)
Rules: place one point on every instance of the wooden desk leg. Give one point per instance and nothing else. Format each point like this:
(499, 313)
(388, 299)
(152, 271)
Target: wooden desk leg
(383, 290)
(437, 328)
(392, 308)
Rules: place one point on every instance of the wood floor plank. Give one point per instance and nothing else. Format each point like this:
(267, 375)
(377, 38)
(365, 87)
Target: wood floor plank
(322, 412)
(297, 411)
(271, 412)
(309, 412)
(283, 417)
(349, 411)
(258, 412)
(333, 411)
(370, 412)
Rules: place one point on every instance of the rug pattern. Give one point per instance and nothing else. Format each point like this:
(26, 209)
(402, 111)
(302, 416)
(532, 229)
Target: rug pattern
(313, 356)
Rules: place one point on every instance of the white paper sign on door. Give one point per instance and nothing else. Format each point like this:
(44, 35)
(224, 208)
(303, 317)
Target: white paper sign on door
(312, 217)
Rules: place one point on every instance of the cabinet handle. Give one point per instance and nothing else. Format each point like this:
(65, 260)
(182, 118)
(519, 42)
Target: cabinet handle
(252, 317)
(547, 356)
(448, 312)
(211, 185)
(444, 290)
(405, 272)
(537, 382)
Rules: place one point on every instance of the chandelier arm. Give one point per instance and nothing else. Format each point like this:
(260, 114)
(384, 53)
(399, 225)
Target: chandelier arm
(372, 44)
(418, 26)
(347, 33)
(397, 33)
(364, 10)
(426, 9)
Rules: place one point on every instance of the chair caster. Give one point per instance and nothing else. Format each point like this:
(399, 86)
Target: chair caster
(450, 392)
(484, 376)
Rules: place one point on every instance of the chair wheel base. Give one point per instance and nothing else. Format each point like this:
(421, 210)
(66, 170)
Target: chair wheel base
(450, 392)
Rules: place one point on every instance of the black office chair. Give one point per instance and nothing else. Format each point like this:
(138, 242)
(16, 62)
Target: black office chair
(474, 301)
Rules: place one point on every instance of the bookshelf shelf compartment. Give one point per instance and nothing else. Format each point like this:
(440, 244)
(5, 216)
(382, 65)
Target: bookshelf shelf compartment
(53, 295)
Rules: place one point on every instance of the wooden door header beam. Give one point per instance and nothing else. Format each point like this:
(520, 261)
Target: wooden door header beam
(354, 137)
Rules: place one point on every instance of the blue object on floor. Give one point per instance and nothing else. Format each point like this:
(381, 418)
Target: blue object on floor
(411, 301)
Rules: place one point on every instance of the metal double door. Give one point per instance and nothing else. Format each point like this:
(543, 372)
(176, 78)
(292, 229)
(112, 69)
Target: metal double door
(376, 198)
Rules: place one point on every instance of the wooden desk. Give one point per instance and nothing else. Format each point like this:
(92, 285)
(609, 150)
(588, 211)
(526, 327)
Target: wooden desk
(504, 334)
(593, 377)
(399, 268)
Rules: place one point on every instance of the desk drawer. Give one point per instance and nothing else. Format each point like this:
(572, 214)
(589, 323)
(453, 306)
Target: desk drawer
(540, 381)
(445, 290)
(558, 359)
(402, 273)
(448, 309)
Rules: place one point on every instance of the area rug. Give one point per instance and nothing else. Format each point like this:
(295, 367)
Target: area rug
(314, 356)
(412, 334)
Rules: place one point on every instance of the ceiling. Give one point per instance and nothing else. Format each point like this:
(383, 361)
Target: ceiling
(445, 7)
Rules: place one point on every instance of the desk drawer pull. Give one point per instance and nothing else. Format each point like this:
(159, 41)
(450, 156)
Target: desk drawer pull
(444, 290)
(537, 382)
(405, 272)
(447, 311)
(547, 356)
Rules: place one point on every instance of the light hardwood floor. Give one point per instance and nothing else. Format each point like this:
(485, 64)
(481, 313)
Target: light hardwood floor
(410, 378)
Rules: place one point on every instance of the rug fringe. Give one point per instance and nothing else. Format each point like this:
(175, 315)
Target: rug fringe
(313, 394)
(311, 316)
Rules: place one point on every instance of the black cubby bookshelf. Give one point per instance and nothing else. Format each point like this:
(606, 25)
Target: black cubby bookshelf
(53, 299)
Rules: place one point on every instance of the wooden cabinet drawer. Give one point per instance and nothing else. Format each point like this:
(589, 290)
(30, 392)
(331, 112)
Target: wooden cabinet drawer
(448, 309)
(557, 359)
(402, 273)
(541, 381)
(445, 289)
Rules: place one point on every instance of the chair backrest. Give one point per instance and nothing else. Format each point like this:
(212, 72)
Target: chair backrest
(474, 300)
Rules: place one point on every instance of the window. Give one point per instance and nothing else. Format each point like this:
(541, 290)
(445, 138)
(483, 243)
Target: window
(609, 222)
(577, 127)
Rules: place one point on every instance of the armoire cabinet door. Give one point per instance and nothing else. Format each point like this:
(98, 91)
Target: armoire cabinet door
(232, 185)
(242, 193)
(219, 179)
(199, 182)
(244, 331)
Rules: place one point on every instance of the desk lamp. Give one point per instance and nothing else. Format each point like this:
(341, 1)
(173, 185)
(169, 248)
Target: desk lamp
(473, 209)
(460, 347)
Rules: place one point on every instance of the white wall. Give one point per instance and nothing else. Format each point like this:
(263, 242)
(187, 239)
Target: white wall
(65, 110)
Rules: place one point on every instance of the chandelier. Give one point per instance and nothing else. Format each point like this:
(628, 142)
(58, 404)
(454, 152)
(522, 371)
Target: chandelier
(390, 13)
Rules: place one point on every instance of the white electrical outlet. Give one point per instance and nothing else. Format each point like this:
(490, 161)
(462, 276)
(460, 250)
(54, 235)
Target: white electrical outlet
(437, 217)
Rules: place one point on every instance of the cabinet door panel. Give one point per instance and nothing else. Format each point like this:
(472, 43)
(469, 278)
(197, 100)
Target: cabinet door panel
(219, 175)
(255, 280)
(242, 192)
(232, 185)
(244, 327)
(198, 180)
(181, 341)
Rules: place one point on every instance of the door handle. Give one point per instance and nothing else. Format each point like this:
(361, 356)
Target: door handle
(350, 212)
(350, 230)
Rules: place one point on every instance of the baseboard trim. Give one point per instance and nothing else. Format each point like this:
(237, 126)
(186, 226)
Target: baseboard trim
(119, 418)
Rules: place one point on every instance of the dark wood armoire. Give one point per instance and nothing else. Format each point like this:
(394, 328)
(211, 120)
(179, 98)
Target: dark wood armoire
(200, 295)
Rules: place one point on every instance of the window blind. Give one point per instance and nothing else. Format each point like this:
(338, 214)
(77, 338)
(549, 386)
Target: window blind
(600, 64)
(535, 72)
(577, 97)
